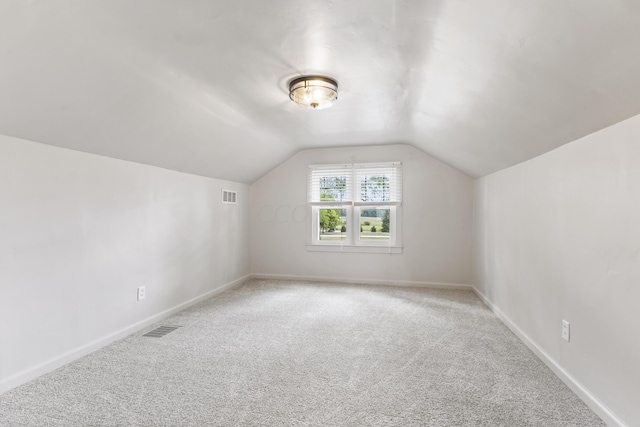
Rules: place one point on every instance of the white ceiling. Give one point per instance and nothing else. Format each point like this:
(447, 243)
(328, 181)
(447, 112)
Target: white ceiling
(200, 86)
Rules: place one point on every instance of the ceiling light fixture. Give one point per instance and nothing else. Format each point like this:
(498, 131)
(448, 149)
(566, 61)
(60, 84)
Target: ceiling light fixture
(315, 92)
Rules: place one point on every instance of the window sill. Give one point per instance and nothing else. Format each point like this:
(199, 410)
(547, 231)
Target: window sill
(373, 249)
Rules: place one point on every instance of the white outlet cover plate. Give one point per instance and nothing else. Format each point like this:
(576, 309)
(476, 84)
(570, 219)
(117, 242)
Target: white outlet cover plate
(565, 330)
(141, 293)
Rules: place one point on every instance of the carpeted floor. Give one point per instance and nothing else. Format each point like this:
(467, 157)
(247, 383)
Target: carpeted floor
(275, 353)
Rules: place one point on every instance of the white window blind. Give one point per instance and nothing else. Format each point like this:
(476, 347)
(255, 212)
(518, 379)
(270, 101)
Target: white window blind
(355, 184)
(379, 184)
(330, 185)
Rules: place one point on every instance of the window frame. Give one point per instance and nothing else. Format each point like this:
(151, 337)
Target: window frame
(352, 203)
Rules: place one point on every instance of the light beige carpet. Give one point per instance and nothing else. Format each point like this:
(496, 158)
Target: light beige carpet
(274, 353)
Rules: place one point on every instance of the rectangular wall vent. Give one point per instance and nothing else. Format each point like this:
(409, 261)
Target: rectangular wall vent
(161, 331)
(229, 196)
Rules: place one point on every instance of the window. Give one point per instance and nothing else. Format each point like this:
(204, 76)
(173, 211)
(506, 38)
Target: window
(355, 207)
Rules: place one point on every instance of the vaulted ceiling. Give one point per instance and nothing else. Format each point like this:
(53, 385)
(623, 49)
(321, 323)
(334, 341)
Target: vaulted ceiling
(201, 86)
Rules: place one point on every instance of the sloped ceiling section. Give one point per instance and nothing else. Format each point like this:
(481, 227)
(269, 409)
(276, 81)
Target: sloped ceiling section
(201, 86)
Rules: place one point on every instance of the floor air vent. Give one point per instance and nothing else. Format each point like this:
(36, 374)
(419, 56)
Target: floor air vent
(161, 331)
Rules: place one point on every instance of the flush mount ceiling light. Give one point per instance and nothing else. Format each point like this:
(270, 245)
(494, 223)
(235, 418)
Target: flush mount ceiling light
(315, 92)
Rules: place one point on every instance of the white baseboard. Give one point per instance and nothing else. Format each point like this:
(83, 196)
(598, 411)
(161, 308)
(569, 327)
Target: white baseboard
(61, 360)
(363, 281)
(587, 397)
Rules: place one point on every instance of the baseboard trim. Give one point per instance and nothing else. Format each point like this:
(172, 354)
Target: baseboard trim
(56, 362)
(405, 283)
(582, 392)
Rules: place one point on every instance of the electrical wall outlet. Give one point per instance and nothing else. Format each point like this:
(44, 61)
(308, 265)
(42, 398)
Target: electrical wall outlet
(565, 330)
(141, 293)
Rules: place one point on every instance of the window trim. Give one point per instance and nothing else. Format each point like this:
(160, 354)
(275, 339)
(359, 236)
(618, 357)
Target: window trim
(352, 242)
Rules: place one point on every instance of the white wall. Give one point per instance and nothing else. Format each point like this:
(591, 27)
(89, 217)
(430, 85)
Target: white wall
(437, 221)
(79, 233)
(558, 237)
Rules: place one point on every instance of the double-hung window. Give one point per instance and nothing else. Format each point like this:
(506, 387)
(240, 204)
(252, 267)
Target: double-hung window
(356, 207)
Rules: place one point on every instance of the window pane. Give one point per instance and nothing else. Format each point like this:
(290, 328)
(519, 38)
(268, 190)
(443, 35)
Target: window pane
(374, 188)
(332, 224)
(333, 188)
(374, 224)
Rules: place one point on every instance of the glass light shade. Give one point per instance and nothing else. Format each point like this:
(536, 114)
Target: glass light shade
(314, 92)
